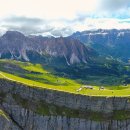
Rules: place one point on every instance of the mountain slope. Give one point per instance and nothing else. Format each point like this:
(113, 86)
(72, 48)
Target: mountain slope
(14, 45)
(115, 43)
(38, 76)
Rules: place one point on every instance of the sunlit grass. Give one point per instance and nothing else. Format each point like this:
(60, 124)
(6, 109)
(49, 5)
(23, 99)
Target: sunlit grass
(71, 88)
(1, 76)
(41, 85)
(34, 67)
(37, 76)
(2, 113)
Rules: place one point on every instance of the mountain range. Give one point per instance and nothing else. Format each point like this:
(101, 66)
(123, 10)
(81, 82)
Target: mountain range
(79, 48)
(91, 57)
(114, 43)
(17, 46)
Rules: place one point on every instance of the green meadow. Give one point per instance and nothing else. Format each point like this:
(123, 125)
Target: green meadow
(35, 75)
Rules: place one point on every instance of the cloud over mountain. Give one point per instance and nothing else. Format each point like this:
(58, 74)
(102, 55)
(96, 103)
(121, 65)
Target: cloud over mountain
(113, 5)
(63, 17)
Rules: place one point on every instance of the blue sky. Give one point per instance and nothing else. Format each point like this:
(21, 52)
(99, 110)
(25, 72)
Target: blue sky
(63, 17)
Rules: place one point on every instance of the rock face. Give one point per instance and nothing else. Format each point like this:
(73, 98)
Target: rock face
(40, 109)
(31, 121)
(14, 45)
(107, 42)
(72, 101)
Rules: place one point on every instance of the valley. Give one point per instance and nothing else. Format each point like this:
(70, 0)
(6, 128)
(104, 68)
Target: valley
(61, 83)
(64, 65)
(35, 75)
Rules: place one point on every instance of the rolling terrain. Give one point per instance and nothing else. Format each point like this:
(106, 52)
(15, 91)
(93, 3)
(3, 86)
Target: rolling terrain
(56, 83)
(36, 75)
(63, 64)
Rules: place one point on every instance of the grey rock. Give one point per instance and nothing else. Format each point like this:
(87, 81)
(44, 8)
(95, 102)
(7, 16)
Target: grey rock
(23, 116)
(14, 45)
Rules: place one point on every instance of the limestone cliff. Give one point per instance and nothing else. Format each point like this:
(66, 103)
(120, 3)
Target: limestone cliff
(29, 108)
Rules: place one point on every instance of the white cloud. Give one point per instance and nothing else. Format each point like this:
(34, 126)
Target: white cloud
(102, 23)
(62, 17)
(47, 9)
(113, 5)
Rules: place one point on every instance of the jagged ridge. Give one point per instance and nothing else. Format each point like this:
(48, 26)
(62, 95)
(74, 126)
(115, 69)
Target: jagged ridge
(14, 45)
(115, 43)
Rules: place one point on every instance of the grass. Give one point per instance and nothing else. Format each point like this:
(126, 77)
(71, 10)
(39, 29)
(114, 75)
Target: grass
(71, 88)
(2, 113)
(32, 83)
(33, 67)
(121, 115)
(35, 75)
(1, 76)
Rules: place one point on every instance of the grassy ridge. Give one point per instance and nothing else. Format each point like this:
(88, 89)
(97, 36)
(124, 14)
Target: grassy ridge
(2, 113)
(35, 75)
(41, 85)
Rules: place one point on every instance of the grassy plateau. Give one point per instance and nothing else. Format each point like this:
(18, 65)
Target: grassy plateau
(37, 75)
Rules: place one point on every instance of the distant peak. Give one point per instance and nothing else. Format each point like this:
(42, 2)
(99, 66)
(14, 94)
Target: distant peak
(14, 33)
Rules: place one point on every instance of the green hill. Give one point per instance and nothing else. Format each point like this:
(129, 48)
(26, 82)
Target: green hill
(36, 75)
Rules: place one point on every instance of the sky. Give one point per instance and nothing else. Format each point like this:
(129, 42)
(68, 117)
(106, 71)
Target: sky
(63, 17)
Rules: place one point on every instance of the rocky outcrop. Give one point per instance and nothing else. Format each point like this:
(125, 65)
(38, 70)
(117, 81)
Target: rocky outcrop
(14, 45)
(31, 121)
(29, 108)
(7, 124)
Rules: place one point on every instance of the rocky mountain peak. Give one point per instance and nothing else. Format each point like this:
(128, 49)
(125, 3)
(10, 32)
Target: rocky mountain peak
(67, 50)
(13, 34)
(113, 42)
